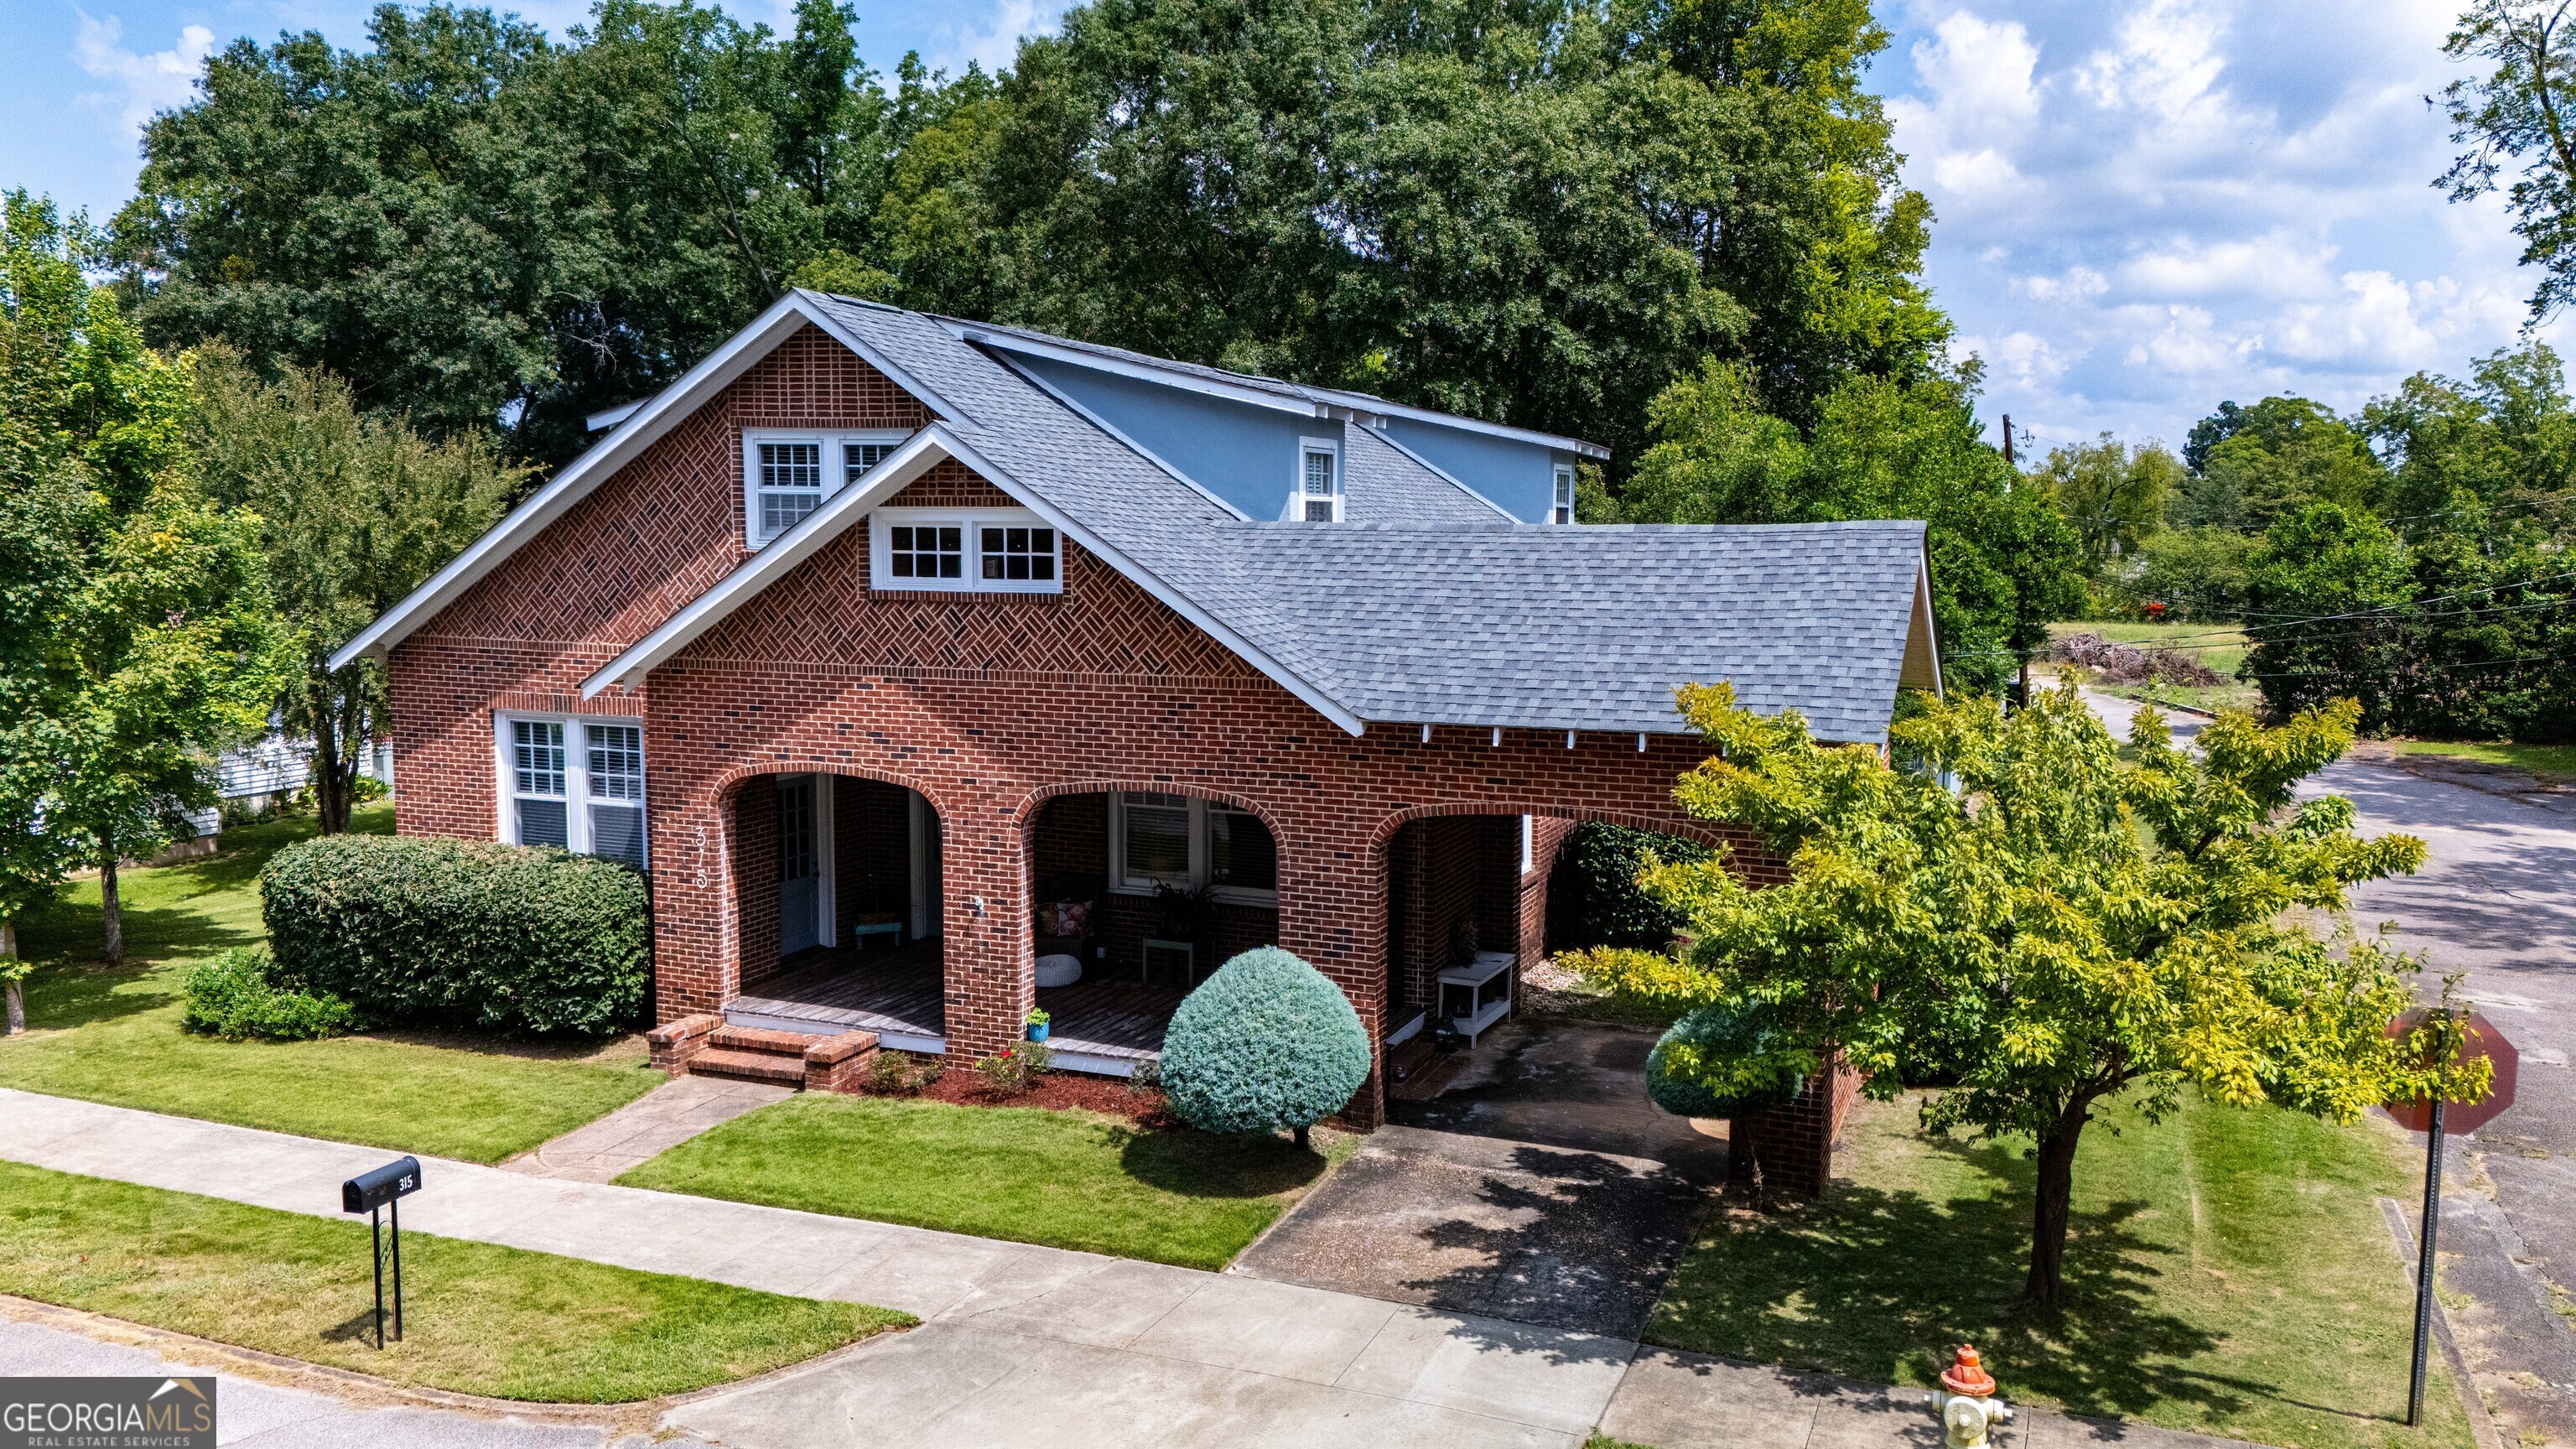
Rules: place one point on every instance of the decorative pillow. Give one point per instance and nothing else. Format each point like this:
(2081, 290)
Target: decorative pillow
(1064, 918)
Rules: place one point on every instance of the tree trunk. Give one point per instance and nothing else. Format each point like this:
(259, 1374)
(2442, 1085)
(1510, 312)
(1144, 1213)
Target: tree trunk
(330, 793)
(108, 905)
(1302, 1145)
(17, 998)
(2046, 1285)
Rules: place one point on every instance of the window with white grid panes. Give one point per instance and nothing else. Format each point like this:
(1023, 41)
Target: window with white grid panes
(1319, 483)
(791, 485)
(575, 784)
(788, 475)
(1564, 510)
(974, 550)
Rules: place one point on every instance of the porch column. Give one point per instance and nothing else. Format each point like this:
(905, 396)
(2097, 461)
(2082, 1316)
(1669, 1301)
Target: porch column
(1332, 915)
(697, 950)
(989, 977)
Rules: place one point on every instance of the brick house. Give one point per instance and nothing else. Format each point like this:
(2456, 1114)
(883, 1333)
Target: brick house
(876, 633)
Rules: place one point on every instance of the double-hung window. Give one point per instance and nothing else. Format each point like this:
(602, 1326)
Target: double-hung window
(1184, 841)
(964, 550)
(1563, 512)
(1319, 481)
(574, 784)
(787, 475)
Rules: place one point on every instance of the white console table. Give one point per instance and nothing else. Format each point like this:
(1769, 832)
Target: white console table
(1475, 996)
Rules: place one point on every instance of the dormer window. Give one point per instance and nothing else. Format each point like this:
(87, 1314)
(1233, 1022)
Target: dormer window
(787, 475)
(1564, 511)
(1319, 481)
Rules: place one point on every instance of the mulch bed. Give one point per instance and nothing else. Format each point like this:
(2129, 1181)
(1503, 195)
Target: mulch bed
(1055, 1091)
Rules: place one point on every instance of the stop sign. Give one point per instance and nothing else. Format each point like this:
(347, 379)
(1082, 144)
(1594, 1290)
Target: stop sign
(2484, 1040)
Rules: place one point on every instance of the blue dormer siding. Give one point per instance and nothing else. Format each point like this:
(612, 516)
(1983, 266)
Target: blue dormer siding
(1242, 453)
(1519, 477)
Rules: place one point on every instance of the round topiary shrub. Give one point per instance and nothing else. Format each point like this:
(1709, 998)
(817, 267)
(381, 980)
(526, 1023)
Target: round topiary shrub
(1722, 1061)
(434, 932)
(1264, 1043)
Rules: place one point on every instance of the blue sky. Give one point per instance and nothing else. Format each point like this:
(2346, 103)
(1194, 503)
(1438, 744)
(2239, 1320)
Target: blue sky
(2145, 206)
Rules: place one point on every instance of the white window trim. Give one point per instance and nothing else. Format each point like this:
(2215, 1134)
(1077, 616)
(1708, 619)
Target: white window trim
(576, 795)
(1529, 843)
(1563, 485)
(835, 467)
(1120, 885)
(881, 576)
(1297, 495)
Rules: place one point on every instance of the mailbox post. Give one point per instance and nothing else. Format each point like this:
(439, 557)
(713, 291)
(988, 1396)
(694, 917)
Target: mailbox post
(375, 1193)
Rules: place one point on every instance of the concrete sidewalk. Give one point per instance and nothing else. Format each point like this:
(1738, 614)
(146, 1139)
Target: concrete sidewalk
(1100, 1351)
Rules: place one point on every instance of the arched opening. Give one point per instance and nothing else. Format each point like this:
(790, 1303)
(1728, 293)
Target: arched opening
(838, 907)
(1136, 896)
(1466, 913)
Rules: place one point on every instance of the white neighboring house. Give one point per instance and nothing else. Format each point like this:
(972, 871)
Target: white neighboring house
(277, 765)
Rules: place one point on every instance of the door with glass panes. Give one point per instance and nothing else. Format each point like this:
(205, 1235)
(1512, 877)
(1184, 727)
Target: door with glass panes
(800, 865)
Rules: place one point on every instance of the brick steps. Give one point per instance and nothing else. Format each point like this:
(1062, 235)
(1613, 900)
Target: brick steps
(756, 1066)
(754, 1039)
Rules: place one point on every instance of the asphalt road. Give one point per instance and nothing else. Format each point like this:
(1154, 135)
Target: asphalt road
(2496, 901)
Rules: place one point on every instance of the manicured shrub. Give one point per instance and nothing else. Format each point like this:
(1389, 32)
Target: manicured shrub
(461, 933)
(1601, 904)
(1264, 1043)
(233, 997)
(1720, 1061)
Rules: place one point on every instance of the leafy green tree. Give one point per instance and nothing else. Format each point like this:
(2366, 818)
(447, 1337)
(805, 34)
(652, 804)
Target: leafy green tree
(2113, 495)
(354, 512)
(2058, 932)
(2519, 114)
(2004, 562)
(145, 644)
(2280, 455)
(2196, 572)
(2507, 436)
(2331, 588)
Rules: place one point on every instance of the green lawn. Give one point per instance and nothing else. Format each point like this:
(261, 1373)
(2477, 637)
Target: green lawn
(1067, 1179)
(113, 1035)
(2538, 759)
(2220, 646)
(478, 1318)
(2232, 1275)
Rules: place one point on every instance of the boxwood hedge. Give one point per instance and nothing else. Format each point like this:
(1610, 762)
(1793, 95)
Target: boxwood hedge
(415, 931)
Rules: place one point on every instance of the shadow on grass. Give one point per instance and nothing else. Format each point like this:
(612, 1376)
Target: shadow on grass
(1877, 1284)
(1218, 1165)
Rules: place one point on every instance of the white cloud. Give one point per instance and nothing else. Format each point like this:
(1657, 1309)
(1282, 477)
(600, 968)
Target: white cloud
(993, 40)
(2149, 206)
(145, 84)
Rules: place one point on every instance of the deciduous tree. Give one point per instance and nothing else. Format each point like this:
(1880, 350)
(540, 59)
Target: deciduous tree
(2056, 931)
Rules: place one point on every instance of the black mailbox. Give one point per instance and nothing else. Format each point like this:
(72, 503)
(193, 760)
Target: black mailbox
(379, 1186)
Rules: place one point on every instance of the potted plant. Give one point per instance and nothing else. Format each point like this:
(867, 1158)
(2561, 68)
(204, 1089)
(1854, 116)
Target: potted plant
(1037, 1022)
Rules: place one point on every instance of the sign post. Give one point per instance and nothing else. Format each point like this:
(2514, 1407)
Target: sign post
(2480, 1039)
(374, 1193)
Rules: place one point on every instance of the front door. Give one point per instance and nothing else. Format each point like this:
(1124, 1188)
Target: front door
(800, 866)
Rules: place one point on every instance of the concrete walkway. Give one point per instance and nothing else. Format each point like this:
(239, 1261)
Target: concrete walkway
(1098, 1351)
(645, 1128)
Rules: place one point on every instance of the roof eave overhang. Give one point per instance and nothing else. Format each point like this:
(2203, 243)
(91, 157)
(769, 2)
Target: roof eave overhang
(640, 429)
(630, 669)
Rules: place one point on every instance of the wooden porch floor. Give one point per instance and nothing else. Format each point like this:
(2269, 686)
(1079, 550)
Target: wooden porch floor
(1098, 1024)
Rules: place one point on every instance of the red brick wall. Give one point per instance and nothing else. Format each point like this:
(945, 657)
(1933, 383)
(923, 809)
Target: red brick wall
(990, 706)
(753, 829)
(1547, 837)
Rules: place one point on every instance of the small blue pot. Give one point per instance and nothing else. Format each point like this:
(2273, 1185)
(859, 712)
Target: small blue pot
(1038, 1030)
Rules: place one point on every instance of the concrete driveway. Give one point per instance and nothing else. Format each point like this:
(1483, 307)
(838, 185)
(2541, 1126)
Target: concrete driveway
(2496, 899)
(1541, 1187)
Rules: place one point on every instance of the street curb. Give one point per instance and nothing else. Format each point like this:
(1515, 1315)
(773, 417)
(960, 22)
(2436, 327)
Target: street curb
(2481, 1426)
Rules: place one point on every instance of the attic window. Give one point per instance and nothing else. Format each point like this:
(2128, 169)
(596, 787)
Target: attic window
(1319, 481)
(787, 474)
(964, 551)
(1564, 511)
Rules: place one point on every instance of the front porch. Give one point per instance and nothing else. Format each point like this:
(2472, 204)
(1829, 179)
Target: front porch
(1099, 1024)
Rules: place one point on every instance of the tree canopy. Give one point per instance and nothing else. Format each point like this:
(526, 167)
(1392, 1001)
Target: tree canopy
(1536, 211)
(2059, 930)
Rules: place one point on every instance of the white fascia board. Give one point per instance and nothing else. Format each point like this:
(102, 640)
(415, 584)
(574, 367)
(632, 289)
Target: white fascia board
(1188, 381)
(1104, 425)
(818, 309)
(850, 504)
(918, 455)
(1442, 473)
(1362, 402)
(611, 417)
(645, 424)
(1921, 622)
(656, 416)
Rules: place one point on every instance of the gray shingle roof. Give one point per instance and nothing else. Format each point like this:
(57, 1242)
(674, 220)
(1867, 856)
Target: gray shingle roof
(1467, 621)
(1382, 483)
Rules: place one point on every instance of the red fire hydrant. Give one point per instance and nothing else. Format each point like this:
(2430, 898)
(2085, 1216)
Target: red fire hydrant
(1967, 1402)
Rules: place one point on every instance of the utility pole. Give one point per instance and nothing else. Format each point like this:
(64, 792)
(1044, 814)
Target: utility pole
(2008, 441)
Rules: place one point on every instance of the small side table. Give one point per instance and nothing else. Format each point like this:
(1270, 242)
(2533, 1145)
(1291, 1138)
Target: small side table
(1475, 996)
(861, 930)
